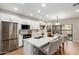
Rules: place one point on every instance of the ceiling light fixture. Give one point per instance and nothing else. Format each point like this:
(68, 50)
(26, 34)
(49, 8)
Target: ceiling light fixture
(46, 15)
(15, 9)
(38, 11)
(77, 10)
(43, 5)
(40, 17)
(31, 14)
(57, 23)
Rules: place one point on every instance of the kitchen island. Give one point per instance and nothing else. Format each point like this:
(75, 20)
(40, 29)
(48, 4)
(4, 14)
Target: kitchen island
(31, 45)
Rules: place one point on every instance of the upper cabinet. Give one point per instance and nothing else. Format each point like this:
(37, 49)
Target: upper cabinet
(16, 19)
(33, 24)
(8, 18)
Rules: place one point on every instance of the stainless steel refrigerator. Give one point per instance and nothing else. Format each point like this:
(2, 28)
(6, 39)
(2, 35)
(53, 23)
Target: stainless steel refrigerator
(9, 38)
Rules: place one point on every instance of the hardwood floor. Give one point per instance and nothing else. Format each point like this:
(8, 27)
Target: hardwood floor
(16, 52)
(71, 48)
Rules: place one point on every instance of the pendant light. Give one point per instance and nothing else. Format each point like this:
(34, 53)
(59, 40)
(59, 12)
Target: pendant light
(57, 23)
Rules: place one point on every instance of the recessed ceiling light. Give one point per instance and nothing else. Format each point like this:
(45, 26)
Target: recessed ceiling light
(16, 9)
(77, 10)
(31, 14)
(57, 23)
(38, 11)
(40, 17)
(43, 5)
(46, 15)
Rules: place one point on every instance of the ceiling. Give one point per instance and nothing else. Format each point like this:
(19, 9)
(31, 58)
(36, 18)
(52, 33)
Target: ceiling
(52, 10)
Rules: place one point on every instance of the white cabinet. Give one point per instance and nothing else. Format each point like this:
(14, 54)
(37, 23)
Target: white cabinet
(4, 17)
(8, 18)
(33, 24)
(20, 40)
(29, 49)
(20, 37)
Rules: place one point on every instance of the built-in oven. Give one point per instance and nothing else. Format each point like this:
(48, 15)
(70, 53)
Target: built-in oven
(26, 36)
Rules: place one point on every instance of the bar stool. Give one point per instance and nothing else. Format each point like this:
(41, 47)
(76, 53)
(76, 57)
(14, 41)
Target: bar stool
(51, 48)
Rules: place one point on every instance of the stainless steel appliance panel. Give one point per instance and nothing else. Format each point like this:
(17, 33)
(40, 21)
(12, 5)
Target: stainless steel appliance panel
(9, 40)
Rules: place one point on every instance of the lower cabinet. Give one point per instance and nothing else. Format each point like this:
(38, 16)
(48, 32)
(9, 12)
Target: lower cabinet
(30, 49)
